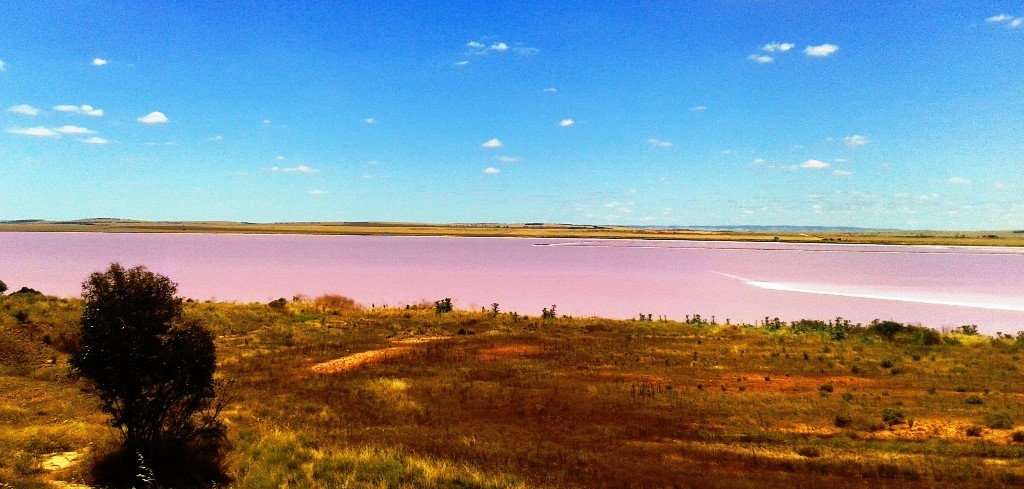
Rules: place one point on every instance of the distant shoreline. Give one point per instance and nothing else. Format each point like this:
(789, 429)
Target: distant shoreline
(813, 235)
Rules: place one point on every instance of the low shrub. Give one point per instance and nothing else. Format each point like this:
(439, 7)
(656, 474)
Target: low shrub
(892, 416)
(999, 421)
(843, 420)
(974, 400)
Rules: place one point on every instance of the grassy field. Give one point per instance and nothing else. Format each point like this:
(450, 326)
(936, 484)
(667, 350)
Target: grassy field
(949, 238)
(326, 394)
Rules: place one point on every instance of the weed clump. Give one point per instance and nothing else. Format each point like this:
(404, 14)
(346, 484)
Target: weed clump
(892, 416)
(999, 421)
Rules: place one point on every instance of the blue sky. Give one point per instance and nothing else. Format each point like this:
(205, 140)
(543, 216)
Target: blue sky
(839, 113)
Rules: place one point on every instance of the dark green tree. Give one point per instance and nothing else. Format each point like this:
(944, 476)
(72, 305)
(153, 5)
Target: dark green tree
(153, 370)
(3, 287)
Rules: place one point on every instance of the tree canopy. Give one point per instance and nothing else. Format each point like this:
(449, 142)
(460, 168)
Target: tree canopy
(153, 369)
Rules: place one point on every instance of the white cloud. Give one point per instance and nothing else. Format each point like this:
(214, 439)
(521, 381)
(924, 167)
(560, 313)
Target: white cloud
(659, 143)
(2, 65)
(24, 109)
(266, 122)
(461, 63)
(761, 59)
(821, 50)
(550, 90)
(281, 158)
(814, 164)
(493, 143)
(317, 191)
(155, 117)
(995, 19)
(297, 169)
(370, 120)
(959, 181)
(74, 130)
(855, 141)
(507, 159)
(758, 161)
(500, 46)
(475, 45)
(699, 108)
(216, 138)
(38, 131)
(1015, 23)
(99, 62)
(842, 173)
(780, 47)
(95, 140)
(491, 170)
(566, 122)
(80, 109)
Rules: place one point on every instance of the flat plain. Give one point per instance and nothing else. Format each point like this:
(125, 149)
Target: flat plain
(536, 230)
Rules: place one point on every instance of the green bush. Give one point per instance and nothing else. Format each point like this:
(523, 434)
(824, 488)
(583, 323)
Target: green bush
(999, 421)
(974, 400)
(843, 420)
(892, 416)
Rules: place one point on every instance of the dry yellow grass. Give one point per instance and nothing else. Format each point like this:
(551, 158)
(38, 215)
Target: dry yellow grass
(495, 400)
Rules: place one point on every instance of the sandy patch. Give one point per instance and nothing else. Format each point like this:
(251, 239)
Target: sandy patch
(57, 461)
(354, 360)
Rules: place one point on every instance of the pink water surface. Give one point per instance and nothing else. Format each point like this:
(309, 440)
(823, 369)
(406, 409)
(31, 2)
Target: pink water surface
(612, 278)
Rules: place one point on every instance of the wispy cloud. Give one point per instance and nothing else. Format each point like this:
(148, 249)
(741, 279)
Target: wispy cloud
(266, 122)
(296, 169)
(24, 109)
(2, 65)
(99, 62)
(507, 159)
(699, 108)
(821, 50)
(95, 140)
(318, 192)
(38, 131)
(80, 109)
(1010, 21)
(814, 164)
(778, 47)
(566, 122)
(370, 120)
(959, 181)
(842, 173)
(155, 117)
(492, 143)
(74, 130)
(491, 170)
(461, 63)
(761, 58)
(550, 90)
(855, 141)
(478, 48)
(657, 143)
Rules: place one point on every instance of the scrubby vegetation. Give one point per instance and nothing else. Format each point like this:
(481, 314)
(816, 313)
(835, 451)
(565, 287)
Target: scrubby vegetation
(328, 394)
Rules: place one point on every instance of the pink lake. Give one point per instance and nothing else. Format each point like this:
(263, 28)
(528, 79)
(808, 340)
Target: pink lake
(941, 287)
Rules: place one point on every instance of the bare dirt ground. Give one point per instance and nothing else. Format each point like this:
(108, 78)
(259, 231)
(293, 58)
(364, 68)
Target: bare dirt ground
(346, 363)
